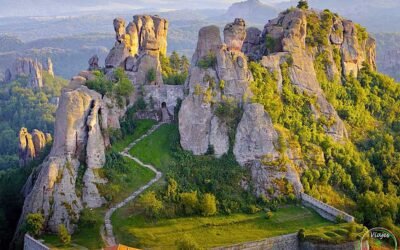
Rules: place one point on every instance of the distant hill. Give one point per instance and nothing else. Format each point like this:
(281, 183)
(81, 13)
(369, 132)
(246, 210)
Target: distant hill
(252, 11)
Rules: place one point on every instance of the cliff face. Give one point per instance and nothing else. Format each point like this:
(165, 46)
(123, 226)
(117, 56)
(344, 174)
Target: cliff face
(219, 78)
(292, 38)
(30, 68)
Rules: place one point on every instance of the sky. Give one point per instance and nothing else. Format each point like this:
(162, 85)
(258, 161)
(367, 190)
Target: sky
(58, 7)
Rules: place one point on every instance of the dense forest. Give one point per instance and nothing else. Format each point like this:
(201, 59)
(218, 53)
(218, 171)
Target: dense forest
(21, 106)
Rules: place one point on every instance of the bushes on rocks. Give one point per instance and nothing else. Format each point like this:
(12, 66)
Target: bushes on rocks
(303, 4)
(174, 69)
(34, 224)
(208, 61)
(118, 89)
(151, 75)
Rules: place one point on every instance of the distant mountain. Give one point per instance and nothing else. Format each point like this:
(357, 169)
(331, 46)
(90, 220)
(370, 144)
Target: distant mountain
(388, 53)
(252, 11)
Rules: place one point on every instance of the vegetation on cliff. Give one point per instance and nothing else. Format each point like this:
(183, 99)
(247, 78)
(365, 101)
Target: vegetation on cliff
(360, 174)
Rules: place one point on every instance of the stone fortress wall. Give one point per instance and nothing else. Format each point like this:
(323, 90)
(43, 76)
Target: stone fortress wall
(31, 244)
(325, 210)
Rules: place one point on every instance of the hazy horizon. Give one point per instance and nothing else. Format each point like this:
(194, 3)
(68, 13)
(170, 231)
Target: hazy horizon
(58, 7)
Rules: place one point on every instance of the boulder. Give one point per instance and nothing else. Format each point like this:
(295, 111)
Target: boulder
(94, 63)
(194, 124)
(235, 34)
(251, 45)
(255, 135)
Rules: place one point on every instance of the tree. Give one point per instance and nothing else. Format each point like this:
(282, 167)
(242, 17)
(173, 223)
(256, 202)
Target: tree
(63, 234)
(151, 205)
(172, 189)
(189, 202)
(34, 224)
(303, 4)
(208, 205)
(151, 75)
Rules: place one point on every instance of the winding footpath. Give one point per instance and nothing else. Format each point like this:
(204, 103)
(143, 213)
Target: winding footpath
(108, 235)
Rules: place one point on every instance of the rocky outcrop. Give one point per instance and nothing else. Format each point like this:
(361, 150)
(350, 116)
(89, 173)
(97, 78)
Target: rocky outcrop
(26, 67)
(31, 145)
(93, 63)
(226, 77)
(255, 135)
(289, 32)
(49, 67)
(81, 119)
(31, 69)
(138, 47)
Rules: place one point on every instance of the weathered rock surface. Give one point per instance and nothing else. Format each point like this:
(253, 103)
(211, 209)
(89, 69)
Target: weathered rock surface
(255, 135)
(93, 63)
(289, 31)
(78, 141)
(145, 36)
(49, 67)
(31, 145)
(234, 34)
(26, 67)
(227, 77)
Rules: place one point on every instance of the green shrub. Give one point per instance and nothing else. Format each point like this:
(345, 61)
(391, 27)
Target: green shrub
(208, 61)
(63, 234)
(270, 43)
(189, 202)
(268, 215)
(118, 90)
(303, 4)
(34, 224)
(151, 204)
(151, 75)
(302, 234)
(187, 243)
(208, 205)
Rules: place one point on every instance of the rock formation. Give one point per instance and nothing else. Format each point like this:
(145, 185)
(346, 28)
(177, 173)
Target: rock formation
(26, 67)
(31, 145)
(83, 118)
(49, 68)
(94, 63)
(138, 47)
(226, 81)
(30, 69)
(289, 32)
(78, 142)
(227, 77)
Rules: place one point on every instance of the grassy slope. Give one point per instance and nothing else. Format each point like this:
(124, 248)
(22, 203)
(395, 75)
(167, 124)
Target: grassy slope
(154, 149)
(141, 127)
(88, 235)
(212, 231)
(133, 230)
